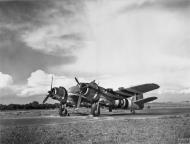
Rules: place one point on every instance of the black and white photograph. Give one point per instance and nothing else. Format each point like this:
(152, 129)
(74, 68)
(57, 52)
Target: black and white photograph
(94, 71)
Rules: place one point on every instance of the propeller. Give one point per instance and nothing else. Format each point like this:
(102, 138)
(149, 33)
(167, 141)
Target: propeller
(77, 81)
(51, 82)
(45, 98)
(82, 87)
(49, 91)
(80, 96)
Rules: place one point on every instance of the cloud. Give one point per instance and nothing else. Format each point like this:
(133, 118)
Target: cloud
(19, 60)
(5, 80)
(17, 15)
(53, 40)
(148, 45)
(169, 5)
(63, 32)
(39, 83)
(119, 43)
(35, 35)
(173, 4)
(7, 87)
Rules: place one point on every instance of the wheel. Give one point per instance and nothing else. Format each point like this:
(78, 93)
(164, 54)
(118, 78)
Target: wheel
(95, 109)
(132, 111)
(60, 111)
(63, 111)
(110, 109)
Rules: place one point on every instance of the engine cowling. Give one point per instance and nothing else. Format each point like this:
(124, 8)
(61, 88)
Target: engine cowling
(91, 94)
(59, 93)
(123, 103)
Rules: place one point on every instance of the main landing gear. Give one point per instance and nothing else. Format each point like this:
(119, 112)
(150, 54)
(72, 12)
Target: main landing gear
(132, 111)
(63, 111)
(110, 109)
(95, 109)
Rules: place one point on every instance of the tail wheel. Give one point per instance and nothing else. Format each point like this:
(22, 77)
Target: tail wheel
(95, 109)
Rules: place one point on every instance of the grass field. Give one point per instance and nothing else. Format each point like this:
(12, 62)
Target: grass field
(146, 127)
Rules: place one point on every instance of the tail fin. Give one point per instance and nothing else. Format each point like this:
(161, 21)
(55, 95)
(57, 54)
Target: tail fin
(139, 96)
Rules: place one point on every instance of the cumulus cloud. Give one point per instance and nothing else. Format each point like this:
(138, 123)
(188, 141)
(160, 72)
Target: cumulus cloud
(7, 87)
(39, 83)
(5, 80)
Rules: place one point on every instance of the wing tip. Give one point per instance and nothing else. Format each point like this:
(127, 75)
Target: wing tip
(156, 85)
(154, 97)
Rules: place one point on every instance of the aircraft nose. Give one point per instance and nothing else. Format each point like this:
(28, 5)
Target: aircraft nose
(83, 88)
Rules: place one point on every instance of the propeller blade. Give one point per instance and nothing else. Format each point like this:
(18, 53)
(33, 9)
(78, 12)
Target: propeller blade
(79, 101)
(45, 99)
(93, 81)
(77, 81)
(84, 87)
(51, 81)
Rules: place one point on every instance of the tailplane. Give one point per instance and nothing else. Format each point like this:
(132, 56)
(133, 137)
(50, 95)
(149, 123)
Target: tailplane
(145, 100)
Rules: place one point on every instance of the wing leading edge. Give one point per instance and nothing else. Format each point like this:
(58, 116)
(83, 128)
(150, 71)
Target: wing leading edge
(140, 88)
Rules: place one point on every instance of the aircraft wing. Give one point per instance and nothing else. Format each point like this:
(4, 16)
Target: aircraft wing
(139, 89)
(145, 100)
(123, 94)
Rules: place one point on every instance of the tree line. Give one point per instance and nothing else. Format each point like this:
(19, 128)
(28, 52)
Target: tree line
(31, 105)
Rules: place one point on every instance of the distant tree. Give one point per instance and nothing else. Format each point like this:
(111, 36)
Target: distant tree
(2, 107)
(32, 105)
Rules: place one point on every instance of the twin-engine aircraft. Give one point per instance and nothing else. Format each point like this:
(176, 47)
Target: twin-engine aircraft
(95, 96)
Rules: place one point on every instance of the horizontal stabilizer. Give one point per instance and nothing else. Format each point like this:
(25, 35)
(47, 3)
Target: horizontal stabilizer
(145, 100)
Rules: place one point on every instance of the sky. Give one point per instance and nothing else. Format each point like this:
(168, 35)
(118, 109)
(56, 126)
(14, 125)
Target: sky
(116, 42)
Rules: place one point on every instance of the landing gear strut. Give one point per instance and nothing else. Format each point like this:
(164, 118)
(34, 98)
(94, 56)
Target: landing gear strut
(110, 109)
(63, 111)
(132, 111)
(95, 109)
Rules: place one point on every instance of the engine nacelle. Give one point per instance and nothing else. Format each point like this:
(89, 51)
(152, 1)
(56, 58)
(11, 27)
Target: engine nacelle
(123, 103)
(91, 94)
(59, 93)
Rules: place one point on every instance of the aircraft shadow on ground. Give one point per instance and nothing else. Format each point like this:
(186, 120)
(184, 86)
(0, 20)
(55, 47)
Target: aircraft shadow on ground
(153, 112)
(129, 114)
(121, 114)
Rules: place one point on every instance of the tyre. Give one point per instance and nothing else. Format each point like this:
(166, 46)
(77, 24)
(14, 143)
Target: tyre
(95, 109)
(63, 111)
(110, 109)
(60, 111)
